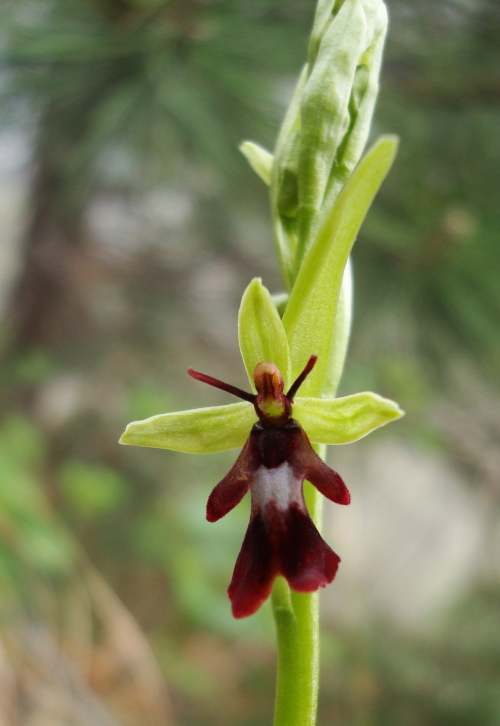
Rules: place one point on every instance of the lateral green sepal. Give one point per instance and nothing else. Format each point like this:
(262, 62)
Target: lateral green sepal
(344, 420)
(199, 431)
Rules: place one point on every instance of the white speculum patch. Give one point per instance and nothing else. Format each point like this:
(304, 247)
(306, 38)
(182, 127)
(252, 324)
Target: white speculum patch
(279, 485)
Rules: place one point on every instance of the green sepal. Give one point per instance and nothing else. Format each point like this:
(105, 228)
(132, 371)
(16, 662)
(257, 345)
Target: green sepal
(199, 431)
(261, 333)
(361, 103)
(280, 300)
(325, 113)
(322, 17)
(310, 313)
(259, 159)
(344, 420)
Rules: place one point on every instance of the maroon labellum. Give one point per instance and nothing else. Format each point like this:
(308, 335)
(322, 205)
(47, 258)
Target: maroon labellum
(281, 538)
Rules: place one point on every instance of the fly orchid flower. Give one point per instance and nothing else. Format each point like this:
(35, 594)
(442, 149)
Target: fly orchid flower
(276, 458)
(281, 538)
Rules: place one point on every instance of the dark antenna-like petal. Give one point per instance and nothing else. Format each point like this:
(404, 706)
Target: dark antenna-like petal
(227, 387)
(301, 378)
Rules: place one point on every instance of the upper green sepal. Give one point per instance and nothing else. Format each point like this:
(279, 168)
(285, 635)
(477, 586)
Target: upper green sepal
(327, 124)
(261, 333)
(344, 420)
(199, 431)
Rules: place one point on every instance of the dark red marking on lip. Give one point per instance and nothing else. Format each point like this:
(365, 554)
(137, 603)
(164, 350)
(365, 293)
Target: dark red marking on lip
(279, 540)
(230, 491)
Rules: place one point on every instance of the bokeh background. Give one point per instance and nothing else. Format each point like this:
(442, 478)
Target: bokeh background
(130, 227)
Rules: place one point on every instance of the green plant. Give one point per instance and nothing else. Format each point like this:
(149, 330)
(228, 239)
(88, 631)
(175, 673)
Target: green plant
(321, 190)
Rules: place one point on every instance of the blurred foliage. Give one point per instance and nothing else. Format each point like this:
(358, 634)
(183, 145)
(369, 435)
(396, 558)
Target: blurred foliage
(62, 631)
(144, 226)
(382, 677)
(426, 268)
(129, 91)
(29, 537)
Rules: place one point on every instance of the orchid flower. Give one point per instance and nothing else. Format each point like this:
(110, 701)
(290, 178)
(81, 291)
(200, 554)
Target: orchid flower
(277, 454)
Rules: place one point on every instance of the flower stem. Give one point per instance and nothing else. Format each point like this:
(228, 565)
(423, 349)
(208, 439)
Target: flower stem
(297, 629)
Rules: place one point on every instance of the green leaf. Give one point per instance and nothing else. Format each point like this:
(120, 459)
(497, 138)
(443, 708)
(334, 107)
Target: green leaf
(325, 11)
(92, 489)
(310, 314)
(344, 420)
(259, 159)
(200, 431)
(261, 333)
(341, 334)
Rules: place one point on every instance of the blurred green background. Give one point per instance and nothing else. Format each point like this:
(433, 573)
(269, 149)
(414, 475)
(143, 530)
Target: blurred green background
(130, 228)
